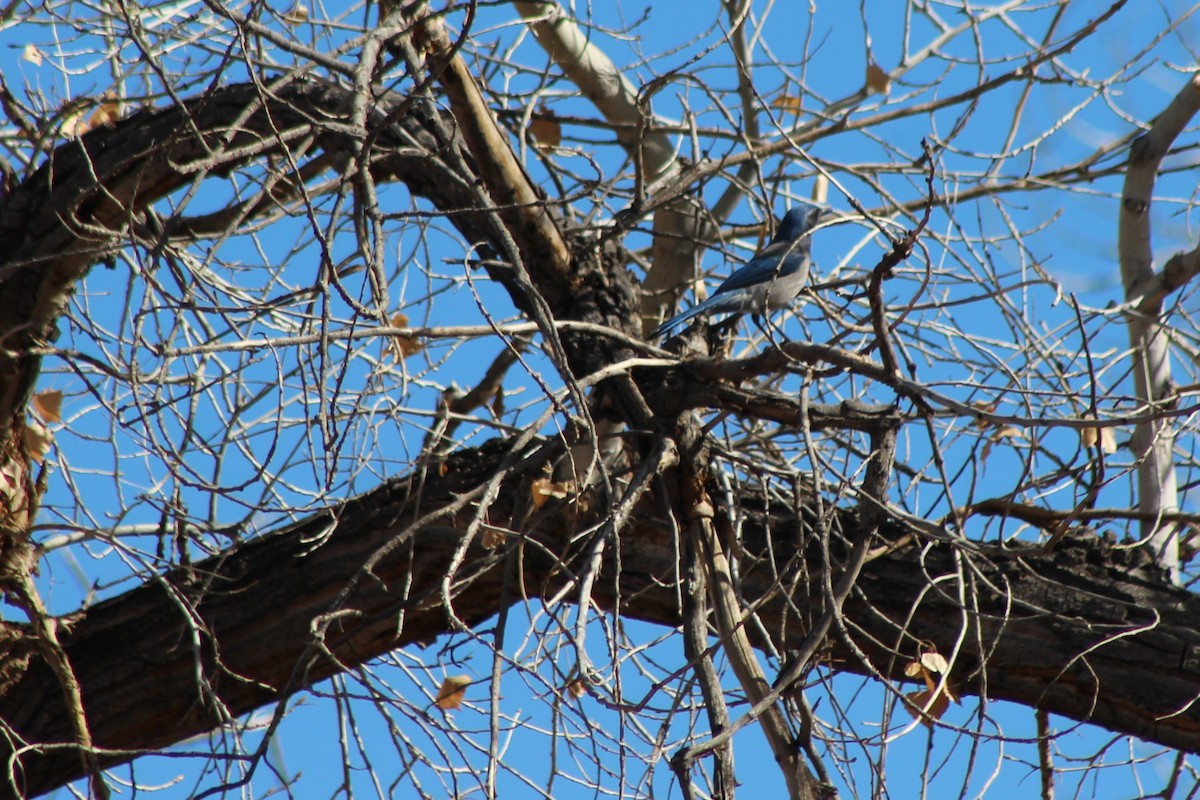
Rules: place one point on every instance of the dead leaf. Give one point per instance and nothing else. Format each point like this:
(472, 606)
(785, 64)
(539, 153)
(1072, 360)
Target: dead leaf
(935, 662)
(1007, 432)
(983, 408)
(107, 113)
(820, 190)
(937, 699)
(878, 81)
(1105, 437)
(32, 55)
(542, 489)
(48, 405)
(493, 538)
(926, 705)
(76, 121)
(545, 130)
(788, 103)
(296, 15)
(498, 403)
(452, 692)
(404, 346)
(1089, 436)
(38, 439)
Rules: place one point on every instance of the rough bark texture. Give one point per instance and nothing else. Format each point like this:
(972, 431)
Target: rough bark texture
(1088, 632)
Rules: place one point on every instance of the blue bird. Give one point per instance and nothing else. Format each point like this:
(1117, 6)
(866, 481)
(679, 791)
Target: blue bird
(770, 280)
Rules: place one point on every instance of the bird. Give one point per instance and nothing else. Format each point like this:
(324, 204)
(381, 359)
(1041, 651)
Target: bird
(769, 280)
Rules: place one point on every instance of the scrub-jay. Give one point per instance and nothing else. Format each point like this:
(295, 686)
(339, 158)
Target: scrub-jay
(770, 280)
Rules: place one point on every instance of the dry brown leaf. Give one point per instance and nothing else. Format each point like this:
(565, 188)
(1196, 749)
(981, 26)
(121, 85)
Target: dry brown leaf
(820, 190)
(931, 662)
(38, 439)
(984, 408)
(498, 403)
(788, 103)
(453, 690)
(404, 346)
(32, 55)
(48, 405)
(878, 80)
(492, 538)
(542, 489)
(1089, 436)
(1008, 432)
(545, 130)
(296, 15)
(927, 705)
(1105, 437)
(935, 662)
(74, 123)
(107, 113)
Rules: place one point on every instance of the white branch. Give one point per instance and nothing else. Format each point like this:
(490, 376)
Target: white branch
(1152, 441)
(675, 223)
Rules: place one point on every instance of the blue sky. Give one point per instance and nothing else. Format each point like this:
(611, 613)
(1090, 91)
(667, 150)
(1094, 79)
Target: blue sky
(826, 55)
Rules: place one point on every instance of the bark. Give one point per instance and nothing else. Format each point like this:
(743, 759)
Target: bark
(1154, 441)
(95, 194)
(1088, 632)
(677, 218)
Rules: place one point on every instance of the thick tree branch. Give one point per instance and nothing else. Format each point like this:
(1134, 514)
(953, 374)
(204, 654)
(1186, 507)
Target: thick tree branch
(1088, 632)
(78, 206)
(1153, 441)
(519, 204)
(676, 219)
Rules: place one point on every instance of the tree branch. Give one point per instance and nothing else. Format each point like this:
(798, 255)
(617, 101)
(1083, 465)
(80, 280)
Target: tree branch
(1088, 632)
(1153, 441)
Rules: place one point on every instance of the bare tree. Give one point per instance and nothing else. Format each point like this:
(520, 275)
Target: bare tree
(325, 383)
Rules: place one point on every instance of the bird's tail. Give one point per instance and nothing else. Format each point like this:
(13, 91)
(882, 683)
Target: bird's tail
(676, 321)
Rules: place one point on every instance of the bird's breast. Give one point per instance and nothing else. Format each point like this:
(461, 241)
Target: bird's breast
(784, 288)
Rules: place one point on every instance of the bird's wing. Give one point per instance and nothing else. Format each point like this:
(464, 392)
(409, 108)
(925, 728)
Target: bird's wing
(761, 268)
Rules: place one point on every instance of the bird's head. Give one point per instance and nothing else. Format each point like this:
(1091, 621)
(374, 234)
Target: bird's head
(800, 220)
